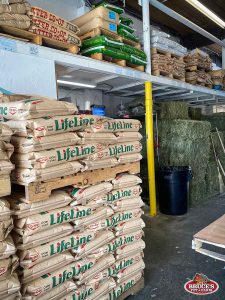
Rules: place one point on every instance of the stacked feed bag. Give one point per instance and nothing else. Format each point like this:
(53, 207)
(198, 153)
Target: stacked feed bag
(47, 24)
(9, 283)
(15, 14)
(6, 150)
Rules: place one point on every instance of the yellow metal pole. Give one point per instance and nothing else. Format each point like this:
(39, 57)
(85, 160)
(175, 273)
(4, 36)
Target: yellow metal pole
(150, 147)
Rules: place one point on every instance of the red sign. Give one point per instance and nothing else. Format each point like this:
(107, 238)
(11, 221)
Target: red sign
(201, 285)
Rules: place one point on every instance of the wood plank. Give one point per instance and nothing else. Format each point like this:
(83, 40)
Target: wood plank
(39, 191)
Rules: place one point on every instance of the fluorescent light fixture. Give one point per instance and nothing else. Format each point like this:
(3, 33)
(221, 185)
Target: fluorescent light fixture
(74, 83)
(207, 12)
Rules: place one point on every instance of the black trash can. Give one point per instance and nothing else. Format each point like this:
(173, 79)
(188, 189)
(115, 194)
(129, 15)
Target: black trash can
(173, 189)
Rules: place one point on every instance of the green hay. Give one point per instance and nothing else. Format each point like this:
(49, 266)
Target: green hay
(197, 193)
(195, 113)
(185, 143)
(217, 145)
(173, 110)
(212, 179)
(217, 121)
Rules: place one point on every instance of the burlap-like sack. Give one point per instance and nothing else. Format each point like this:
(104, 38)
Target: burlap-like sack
(35, 108)
(101, 264)
(128, 227)
(30, 241)
(47, 266)
(53, 157)
(123, 137)
(5, 211)
(26, 176)
(124, 193)
(20, 8)
(81, 195)
(29, 144)
(5, 186)
(51, 125)
(15, 296)
(5, 228)
(106, 138)
(5, 167)
(131, 271)
(7, 248)
(8, 266)
(51, 280)
(100, 163)
(125, 180)
(120, 265)
(125, 285)
(116, 150)
(104, 288)
(125, 239)
(9, 286)
(14, 20)
(39, 222)
(58, 21)
(115, 125)
(32, 257)
(4, 8)
(99, 214)
(6, 150)
(49, 29)
(129, 158)
(23, 208)
(130, 249)
(5, 132)
(127, 204)
(101, 239)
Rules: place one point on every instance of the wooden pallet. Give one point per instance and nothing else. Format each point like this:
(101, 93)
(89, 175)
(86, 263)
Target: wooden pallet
(102, 31)
(27, 36)
(134, 290)
(120, 62)
(167, 74)
(212, 237)
(166, 53)
(38, 191)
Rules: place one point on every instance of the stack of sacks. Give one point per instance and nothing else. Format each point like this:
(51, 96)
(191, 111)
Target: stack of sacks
(15, 14)
(6, 150)
(47, 24)
(117, 246)
(9, 283)
(44, 236)
(125, 149)
(35, 134)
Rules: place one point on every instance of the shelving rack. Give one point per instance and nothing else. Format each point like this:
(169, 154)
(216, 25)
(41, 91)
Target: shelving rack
(126, 82)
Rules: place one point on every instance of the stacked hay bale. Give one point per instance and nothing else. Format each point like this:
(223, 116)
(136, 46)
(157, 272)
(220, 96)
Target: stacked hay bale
(95, 28)
(15, 14)
(186, 143)
(47, 24)
(9, 283)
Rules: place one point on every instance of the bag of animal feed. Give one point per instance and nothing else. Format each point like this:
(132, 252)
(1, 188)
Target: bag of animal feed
(7, 248)
(124, 193)
(127, 204)
(125, 180)
(9, 286)
(8, 266)
(130, 249)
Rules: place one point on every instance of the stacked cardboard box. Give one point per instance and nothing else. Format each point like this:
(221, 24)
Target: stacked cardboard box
(81, 241)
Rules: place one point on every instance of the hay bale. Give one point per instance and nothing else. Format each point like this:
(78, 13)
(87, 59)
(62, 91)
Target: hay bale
(173, 110)
(216, 120)
(185, 143)
(217, 145)
(212, 179)
(197, 193)
(195, 113)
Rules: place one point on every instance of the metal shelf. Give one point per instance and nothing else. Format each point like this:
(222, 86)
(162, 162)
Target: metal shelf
(111, 78)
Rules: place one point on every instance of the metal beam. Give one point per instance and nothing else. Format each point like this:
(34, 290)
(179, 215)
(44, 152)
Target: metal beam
(186, 22)
(169, 93)
(126, 86)
(105, 78)
(146, 33)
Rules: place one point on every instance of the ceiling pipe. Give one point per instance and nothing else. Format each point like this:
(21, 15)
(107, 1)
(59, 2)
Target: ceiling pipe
(186, 22)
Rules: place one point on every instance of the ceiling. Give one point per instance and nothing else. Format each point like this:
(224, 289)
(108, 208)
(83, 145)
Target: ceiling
(189, 38)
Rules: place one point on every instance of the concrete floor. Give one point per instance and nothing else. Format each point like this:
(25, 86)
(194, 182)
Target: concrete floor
(170, 261)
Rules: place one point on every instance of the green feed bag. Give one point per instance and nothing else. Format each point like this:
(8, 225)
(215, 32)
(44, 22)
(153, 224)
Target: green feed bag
(112, 7)
(128, 28)
(126, 34)
(132, 50)
(137, 60)
(111, 52)
(101, 41)
(126, 21)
